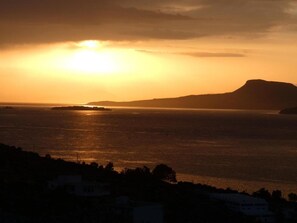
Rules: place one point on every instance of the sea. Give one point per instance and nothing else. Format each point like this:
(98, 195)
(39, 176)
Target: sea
(239, 149)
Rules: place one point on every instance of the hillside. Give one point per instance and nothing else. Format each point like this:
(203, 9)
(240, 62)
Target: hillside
(27, 197)
(254, 94)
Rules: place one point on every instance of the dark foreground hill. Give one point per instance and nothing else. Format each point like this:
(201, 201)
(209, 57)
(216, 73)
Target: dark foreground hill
(27, 197)
(255, 94)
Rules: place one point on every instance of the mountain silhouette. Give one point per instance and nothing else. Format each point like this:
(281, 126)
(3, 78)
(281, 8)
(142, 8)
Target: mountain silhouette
(254, 94)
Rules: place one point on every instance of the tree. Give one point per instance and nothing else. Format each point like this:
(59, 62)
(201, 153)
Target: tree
(292, 197)
(164, 172)
(276, 195)
(94, 164)
(138, 172)
(109, 167)
(262, 193)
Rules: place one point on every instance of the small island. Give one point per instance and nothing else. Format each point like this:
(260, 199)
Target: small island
(289, 111)
(81, 108)
(7, 107)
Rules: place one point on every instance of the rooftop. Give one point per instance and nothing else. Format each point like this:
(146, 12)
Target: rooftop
(239, 198)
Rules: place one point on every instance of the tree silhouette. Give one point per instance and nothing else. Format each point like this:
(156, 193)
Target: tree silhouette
(164, 172)
(109, 167)
(292, 197)
(263, 193)
(94, 164)
(138, 173)
(276, 195)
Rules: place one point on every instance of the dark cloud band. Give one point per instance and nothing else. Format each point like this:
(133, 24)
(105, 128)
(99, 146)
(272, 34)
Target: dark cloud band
(35, 21)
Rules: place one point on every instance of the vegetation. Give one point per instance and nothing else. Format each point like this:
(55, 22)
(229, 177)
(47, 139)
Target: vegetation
(164, 172)
(25, 197)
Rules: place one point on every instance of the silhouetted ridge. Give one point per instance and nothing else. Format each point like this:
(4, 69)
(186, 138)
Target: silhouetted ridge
(266, 87)
(254, 94)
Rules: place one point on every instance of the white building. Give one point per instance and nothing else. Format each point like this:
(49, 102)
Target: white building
(74, 184)
(247, 205)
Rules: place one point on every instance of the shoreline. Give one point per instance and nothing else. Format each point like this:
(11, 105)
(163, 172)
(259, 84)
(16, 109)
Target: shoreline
(240, 185)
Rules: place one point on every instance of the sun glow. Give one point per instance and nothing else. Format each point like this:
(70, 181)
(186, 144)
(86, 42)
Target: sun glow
(91, 44)
(92, 62)
(91, 57)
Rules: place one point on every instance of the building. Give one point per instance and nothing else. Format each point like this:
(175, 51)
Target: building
(247, 205)
(137, 212)
(290, 213)
(74, 184)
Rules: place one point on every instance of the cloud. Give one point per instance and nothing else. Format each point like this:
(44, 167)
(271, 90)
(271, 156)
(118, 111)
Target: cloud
(35, 21)
(208, 54)
(196, 54)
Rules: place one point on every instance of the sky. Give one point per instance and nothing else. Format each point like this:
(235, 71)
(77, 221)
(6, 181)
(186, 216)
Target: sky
(76, 51)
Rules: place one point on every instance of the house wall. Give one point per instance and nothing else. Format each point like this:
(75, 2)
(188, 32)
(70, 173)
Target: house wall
(148, 214)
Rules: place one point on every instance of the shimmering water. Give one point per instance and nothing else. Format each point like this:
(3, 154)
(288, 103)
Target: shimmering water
(244, 150)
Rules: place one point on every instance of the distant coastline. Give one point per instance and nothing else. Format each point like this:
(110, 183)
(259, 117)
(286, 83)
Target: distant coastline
(253, 95)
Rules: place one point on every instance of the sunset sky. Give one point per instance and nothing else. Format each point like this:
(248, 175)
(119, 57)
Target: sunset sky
(76, 51)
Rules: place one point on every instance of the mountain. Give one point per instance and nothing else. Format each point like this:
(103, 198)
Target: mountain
(254, 94)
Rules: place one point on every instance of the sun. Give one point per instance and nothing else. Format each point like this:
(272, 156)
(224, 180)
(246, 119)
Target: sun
(91, 44)
(90, 57)
(93, 62)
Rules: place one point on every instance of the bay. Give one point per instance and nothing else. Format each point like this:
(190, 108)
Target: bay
(244, 150)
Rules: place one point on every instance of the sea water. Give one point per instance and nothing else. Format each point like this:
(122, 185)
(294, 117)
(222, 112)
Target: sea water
(243, 150)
